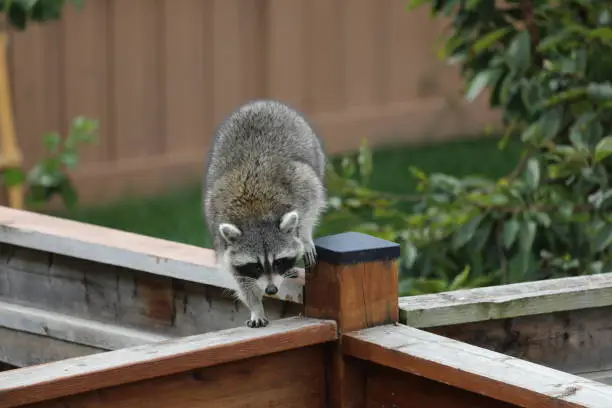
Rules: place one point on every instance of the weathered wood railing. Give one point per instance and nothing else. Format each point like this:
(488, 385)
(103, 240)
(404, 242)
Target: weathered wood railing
(347, 350)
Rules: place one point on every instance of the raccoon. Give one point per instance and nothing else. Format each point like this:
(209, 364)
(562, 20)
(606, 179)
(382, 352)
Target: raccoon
(264, 192)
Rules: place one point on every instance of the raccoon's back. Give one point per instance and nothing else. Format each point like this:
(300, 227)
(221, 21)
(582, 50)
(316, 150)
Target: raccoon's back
(254, 190)
(263, 130)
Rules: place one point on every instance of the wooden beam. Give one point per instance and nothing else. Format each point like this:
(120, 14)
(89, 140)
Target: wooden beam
(21, 349)
(82, 374)
(506, 301)
(474, 369)
(72, 329)
(119, 248)
(289, 379)
(354, 283)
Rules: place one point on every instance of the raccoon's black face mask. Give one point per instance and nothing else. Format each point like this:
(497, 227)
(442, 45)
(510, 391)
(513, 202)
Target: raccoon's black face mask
(266, 274)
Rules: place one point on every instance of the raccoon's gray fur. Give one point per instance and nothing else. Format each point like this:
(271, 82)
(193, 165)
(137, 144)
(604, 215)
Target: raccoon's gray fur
(263, 195)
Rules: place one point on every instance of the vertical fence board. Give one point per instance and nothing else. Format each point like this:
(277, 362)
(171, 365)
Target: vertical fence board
(286, 51)
(404, 39)
(252, 19)
(136, 73)
(227, 57)
(86, 62)
(187, 74)
(33, 77)
(360, 48)
(324, 55)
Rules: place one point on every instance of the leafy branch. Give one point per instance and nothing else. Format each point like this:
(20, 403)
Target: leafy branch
(49, 177)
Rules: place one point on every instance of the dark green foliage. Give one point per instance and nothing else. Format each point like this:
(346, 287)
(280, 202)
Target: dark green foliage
(49, 177)
(546, 65)
(21, 12)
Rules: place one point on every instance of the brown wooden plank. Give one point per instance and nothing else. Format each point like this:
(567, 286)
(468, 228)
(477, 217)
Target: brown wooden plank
(387, 387)
(35, 76)
(24, 349)
(575, 341)
(137, 103)
(119, 248)
(188, 75)
(228, 89)
(285, 52)
(252, 21)
(324, 76)
(354, 283)
(82, 374)
(474, 369)
(86, 65)
(291, 379)
(506, 301)
(360, 52)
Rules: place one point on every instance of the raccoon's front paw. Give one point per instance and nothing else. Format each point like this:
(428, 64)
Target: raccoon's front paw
(256, 322)
(310, 257)
(294, 273)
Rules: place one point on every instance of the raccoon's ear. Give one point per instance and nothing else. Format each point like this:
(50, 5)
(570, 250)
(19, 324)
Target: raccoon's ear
(289, 221)
(229, 232)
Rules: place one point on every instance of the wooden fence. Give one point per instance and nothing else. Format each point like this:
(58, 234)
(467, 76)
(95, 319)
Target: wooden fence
(347, 344)
(161, 74)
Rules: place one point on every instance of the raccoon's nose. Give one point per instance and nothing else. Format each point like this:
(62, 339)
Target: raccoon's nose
(271, 289)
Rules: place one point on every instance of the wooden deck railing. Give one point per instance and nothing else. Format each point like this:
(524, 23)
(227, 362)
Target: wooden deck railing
(348, 348)
(166, 369)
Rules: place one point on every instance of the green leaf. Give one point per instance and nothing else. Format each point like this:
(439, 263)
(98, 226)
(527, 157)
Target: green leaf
(601, 91)
(68, 193)
(52, 141)
(519, 52)
(603, 149)
(480, 81)
(603, 238)
(13, 177)
(26, 4)
(466, 231)
(533, 133)
(551, 123)
(543, 219)
(602, 33)
(489, 39)
(365, 161)
(460, 280)
(348, 166)
(410, 254)
(527, 235)
(532, 173)
(511, 229)
(69, 159)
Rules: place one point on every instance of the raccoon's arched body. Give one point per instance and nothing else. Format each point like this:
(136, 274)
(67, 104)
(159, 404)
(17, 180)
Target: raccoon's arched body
(263, 195)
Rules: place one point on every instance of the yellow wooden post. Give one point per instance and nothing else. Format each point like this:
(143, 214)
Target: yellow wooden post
(10, 155)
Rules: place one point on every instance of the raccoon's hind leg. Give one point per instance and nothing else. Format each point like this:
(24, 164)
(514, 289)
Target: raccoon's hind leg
(253, 299)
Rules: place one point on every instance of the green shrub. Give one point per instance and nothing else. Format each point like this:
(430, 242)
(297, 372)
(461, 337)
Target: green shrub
(546, 66)
(49, 177)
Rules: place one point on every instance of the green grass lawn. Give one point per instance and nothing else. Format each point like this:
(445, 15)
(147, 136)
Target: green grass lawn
(177, 215)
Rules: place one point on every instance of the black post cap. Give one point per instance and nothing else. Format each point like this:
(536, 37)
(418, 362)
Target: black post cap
(355, 247)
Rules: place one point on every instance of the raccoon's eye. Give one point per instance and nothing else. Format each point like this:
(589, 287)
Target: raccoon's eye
(284, 264)
(251, 270)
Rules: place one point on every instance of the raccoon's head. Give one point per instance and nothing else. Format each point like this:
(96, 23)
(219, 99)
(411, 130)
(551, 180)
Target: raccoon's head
(263, 254)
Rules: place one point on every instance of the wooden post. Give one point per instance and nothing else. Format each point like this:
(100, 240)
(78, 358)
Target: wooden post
(355, 283)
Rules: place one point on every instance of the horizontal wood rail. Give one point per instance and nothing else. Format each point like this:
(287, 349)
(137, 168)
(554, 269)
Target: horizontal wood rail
(506, 301)
(77, 375)
(114, 247)
(474, 369)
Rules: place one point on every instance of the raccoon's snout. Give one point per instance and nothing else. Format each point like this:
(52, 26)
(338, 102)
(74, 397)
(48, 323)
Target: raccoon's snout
(271, 289)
